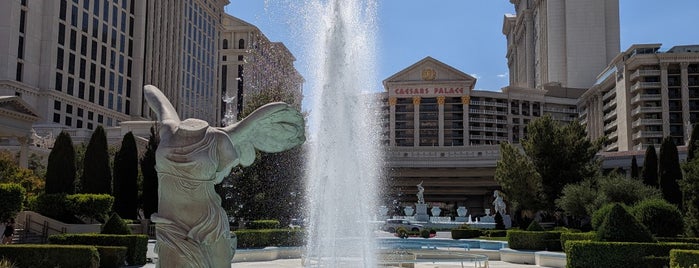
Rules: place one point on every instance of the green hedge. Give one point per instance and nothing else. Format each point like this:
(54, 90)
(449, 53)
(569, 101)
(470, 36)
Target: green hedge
(495, 233)
(270, 238)
(112, 257)
(589, 236)
(11, 198)
(94, 206)
(465, 233)
(137, 244)
(40, 256)
(683, 258)
(691, 240)
(593, 254)
(532, 240)
(263, 224)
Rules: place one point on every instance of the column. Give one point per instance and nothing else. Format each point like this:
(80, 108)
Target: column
(23, 151)
(392, 121)
(465, 100)
(416, 121)
(529, 48)
(685, 101)
(600, 109)
(665, 103)
(440, 120)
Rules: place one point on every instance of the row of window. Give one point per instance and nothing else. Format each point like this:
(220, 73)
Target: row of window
(67, 115)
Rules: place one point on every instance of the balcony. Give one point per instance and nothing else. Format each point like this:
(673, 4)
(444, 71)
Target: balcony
(492, 112)
(610, 125)
(644, 146)
(489, 103)
(645, 97)
(489, 129)
(640, 85)
(647, 134)
(560, 110)
(608, 94)
(609, 104)
(646, 122)
(610, 115)
(639, 73)
(646, 110)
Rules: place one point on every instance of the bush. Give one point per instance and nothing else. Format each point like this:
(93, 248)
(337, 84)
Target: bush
(589, 236)
(115, 225)
(137, 244)
(402, 232)
(11, 198)
(424, 233)
(51, 255)
(684, 258)
(584, 254)
(111, 257)
(532, 240)
(691, 240)
(661, 217)
(465, 233)
(620, 226)
(499, 222)
(54, 206)
(93, 206)
(263, 224)
(495, 233)
(534, 226)
(270, 238)
(601, 213)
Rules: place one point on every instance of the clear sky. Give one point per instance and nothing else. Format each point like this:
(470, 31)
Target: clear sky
(467, 34)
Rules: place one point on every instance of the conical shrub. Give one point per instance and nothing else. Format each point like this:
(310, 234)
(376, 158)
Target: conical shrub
(115, 225)
(621, 226)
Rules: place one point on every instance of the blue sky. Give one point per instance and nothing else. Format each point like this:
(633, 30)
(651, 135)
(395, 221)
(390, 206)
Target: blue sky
(467, 34)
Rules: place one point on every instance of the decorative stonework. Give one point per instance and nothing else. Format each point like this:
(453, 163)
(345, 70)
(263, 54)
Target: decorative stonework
(392, 101)
(416, 100)
(465, 100)
(440, 100)
(429, 74)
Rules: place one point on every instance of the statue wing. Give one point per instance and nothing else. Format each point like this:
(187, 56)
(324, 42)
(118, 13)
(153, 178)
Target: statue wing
(274, 127)
(162, 107)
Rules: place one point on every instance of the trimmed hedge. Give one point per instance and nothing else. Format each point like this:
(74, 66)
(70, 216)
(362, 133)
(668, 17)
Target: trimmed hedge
(270, 238)
(112, 257)
(40, 256)
(263, 224)
(589, 236)
(661, 217)
(532, 240)
(465, 233)
(495, 233)
(593, 254)
(684, 258)
(137, 245)
(94, 206)
(691, 240)
(115, 225)
(11, 197)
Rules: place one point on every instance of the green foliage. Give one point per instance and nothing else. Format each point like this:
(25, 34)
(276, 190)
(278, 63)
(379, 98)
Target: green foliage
(661, 217)
(494, 233)
(54, 206)
(578, 201)
(670, 172)
(534, 226)
(584, 254)
(126, 178)
(691, 240)
(12, 200)
(683, 257)
(692, 144)
(29, 255)
(263, 224)
(587, 236)
(402, 232)
(650, 167)
(425, 233)
(620, 189)
(115, 225)
(690, 187)
(270, 238)
(60, 172)
(634, 168)
(92, 206)
(465, 233)
(6, 263)
(149, 197)
(620, 226)
(96, 177)
(534, 240)
(517, 176)
(10, 172)
(137, 244)
(112, 257)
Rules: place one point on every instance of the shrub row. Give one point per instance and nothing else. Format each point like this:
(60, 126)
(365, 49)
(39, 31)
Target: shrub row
(692, 240)
(63, 207)
(270, 238)
(684, 258)
(39, 256)
(584, 254)
(534, 240)
(263, 224)
(494, 233)
(137, 245)
(112, 257)
(589, 236)
(465, 233)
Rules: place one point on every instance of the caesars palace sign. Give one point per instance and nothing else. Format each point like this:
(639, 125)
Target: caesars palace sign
(453, 91)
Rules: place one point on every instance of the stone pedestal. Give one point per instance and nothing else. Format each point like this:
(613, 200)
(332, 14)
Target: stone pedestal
(507, 220)
(421, 212)
(461, 219)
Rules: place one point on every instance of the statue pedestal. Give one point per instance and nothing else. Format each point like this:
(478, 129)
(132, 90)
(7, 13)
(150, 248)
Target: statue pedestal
(507, 220)
(461, 219)
(421, 212)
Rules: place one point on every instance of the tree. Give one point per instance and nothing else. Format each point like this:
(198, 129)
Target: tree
(634, 168)
(126, 178)
(578, 202)
(11, 172)
(149, 196)
(690, 187)
(560, 154)
(692, 144)
(97, 178)
(60, 172)
(650, 167)
(11, 197)
(515, 173)
(617, 188)
(670, 172)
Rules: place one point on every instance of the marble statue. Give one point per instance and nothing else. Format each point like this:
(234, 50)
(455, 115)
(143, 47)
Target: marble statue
(498, 203)
(191, 226)
(420, 193)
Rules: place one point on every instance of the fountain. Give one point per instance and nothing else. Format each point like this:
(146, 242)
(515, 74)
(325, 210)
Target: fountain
(344, 156)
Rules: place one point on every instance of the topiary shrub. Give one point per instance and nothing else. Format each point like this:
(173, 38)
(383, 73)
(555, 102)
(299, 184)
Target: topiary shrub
(534, 226)
(534, 240)
(465, 233)
(402, 232)
(112, 257)
(263, 224)
(499, 222)
(260, 238)
(661, 217)
(581, 254)
(620, 226)
(589, 236)
(137, 244)
(602, 212)
(424, 233)
(91, 206)
(28, 255)
(11, 198)
(115, 225)
(54, 206)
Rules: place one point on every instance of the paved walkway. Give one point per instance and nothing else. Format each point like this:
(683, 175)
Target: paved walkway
(296, 263)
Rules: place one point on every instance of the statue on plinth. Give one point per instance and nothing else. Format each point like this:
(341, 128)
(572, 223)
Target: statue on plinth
(499, 204)
(420, 193)
(192, 228)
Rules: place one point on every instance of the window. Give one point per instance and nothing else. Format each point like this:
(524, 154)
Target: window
(73, 39)
(22, 20)
(56, 105)
(96, 8)
(86, 20)
(71, 63)
(69, 87)
(225, 43)
(79, 123)
(103, 60)
(102, 77)
(100, 99)
(105, 10)
(93, 52)
(114, 16)
(74, 16)
(241, 43)
(69, 109)
(61, 34)
(69, 121)
(91, 96)
(83, 45)
(56, 118)
(127, 107)
(90, 115)
(62, 10)
(93, 72)
(100, 118)
(18, 77)
(114, 38)
(80, 112)
(89, 126)
(82, 68)
(59, 82)
(131, 26)
(105, 31)
(81, 90)
(20, 48)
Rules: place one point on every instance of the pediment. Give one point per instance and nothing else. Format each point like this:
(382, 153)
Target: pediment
(13, 105)
(430, 70)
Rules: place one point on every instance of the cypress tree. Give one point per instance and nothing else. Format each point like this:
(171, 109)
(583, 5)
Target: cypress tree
(691, 145)
(126, 178)
(670, 172)
(650, 167)
(60, 171)
(97, 178)
(149, 197)
(634, 168)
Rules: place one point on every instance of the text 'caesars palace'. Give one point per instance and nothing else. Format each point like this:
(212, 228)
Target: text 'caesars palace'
(71, 65)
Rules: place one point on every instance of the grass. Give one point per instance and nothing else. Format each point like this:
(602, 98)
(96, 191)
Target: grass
(493, 238)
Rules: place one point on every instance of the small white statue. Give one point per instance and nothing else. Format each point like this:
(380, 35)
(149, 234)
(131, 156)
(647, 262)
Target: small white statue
(420, 193)
(498, 203)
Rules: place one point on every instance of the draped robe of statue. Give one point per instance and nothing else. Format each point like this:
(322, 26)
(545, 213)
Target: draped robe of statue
(192, 228)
